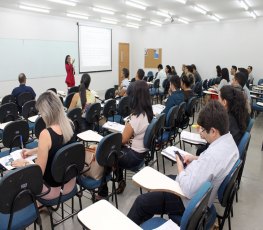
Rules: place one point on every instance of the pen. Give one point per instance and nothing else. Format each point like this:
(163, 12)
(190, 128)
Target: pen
(196, 126)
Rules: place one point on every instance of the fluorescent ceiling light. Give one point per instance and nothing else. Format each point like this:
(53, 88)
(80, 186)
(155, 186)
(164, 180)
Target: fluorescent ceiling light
(200, 9)
(163, 13)
(155, 23)
(181, 1)
(64, 2)
(136, 4)
(109, 22)
(103, 10)
(243, 4)
(34, 9)
(132, 26)
(252, 14)
(85, 17)
(134, 17)
(182, 20)
(214, 18)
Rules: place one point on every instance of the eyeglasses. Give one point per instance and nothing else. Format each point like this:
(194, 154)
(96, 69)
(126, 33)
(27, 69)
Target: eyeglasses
(201, 130)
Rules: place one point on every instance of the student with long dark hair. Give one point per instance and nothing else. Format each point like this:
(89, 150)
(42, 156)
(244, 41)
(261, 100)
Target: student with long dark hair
(224, 79)
(84, 97)
(186, 82)
(134, 131)
(70, 79)
(235, 103)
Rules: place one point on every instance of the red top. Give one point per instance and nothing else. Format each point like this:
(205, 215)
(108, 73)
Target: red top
(70, 79)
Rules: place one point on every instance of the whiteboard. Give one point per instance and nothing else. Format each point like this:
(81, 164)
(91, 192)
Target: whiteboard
(35, 58)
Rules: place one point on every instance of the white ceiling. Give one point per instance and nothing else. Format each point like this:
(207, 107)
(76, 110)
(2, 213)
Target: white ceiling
(225, 9)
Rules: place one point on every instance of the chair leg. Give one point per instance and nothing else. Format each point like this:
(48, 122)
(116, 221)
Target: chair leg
(51, 218)
(62, 210)
(157, 161)
(229, 222)
(72, 205)
(163, 165)
(140, 190)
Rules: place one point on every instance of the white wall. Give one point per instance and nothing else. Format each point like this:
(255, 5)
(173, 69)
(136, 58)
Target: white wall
(25, 25)
(204, 44)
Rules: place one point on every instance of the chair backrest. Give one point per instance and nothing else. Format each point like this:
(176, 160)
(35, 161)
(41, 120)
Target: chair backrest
(150, 134)
(8, 98)
(109, 94)
(109, 108)
(109, 149)
(124, 107)
(243, 145)
(68, 162)
(39, 126)
(150, 74)
(29, 109)
(260, 81)
(156, 83)
(8, 112)
(180, 114)
(22, 98)
(19, 187)
(74, 89)
(198, 88)
(190, 107)
(53, 90)
(225, 192)
(209, 83)
(15, 134)
(93, 113)
(250, 124)
(166, 85)
(75, 116)
(171, 115)
(195, 213)
(68, 99)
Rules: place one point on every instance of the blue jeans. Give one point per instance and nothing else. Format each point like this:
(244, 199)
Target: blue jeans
(149, 204)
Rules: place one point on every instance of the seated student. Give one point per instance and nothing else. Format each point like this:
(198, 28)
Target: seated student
(212, 165)
(22, 88)
(246, 90)
(59, 131)
(168, 71)
(239, 81)
(196, 74)
(84, 97)
(235, 103)
(173, 71)
(124, 83)
(161, 75)
(141, 115)
(224, 79)
(139, 76)
(183, 70)
(186, 82)
(218, 71)
(176, 96)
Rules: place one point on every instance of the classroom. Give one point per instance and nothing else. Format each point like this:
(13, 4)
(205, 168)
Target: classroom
(138, 80)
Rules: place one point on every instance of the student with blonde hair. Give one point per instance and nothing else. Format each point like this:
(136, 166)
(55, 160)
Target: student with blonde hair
(58, 132)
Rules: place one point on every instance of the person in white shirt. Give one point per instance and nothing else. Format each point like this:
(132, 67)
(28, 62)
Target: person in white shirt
(161, 76)
(124, 83)
(250, 74)
(212, 165)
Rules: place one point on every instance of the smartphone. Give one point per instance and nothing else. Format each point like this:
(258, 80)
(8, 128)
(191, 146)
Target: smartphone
(181, 158)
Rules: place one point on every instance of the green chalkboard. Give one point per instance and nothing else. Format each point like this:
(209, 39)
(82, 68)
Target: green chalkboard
(35, 58)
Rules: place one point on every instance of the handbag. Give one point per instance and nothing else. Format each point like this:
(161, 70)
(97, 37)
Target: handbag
(92, 168)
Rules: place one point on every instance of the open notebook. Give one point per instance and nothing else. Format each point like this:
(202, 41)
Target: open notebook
(114, 126)
(152, 180)
(90, 135)
(7, 160)
(170, 152)
(194, 138)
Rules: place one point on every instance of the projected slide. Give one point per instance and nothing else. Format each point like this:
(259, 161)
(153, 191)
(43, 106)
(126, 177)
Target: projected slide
(94, 49)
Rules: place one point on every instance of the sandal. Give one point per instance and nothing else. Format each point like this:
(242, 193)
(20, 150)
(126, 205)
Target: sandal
(121, 187)
(98, 198)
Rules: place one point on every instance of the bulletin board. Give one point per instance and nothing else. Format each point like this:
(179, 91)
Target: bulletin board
(152, 58)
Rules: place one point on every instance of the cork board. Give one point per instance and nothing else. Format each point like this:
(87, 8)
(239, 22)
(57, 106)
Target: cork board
(152, 58)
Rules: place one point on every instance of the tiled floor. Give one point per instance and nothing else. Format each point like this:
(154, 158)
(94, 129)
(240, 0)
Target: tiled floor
(247, 212)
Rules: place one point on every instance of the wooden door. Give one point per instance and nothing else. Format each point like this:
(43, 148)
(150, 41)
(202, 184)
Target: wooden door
(124, 58)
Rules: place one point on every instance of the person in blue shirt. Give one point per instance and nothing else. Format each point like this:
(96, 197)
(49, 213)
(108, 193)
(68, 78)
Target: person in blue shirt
(22, 88)
(176, 95)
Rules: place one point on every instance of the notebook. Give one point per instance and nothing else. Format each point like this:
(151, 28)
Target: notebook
(169, 152)
(7, 160)
(194, 138)
(114, 126)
